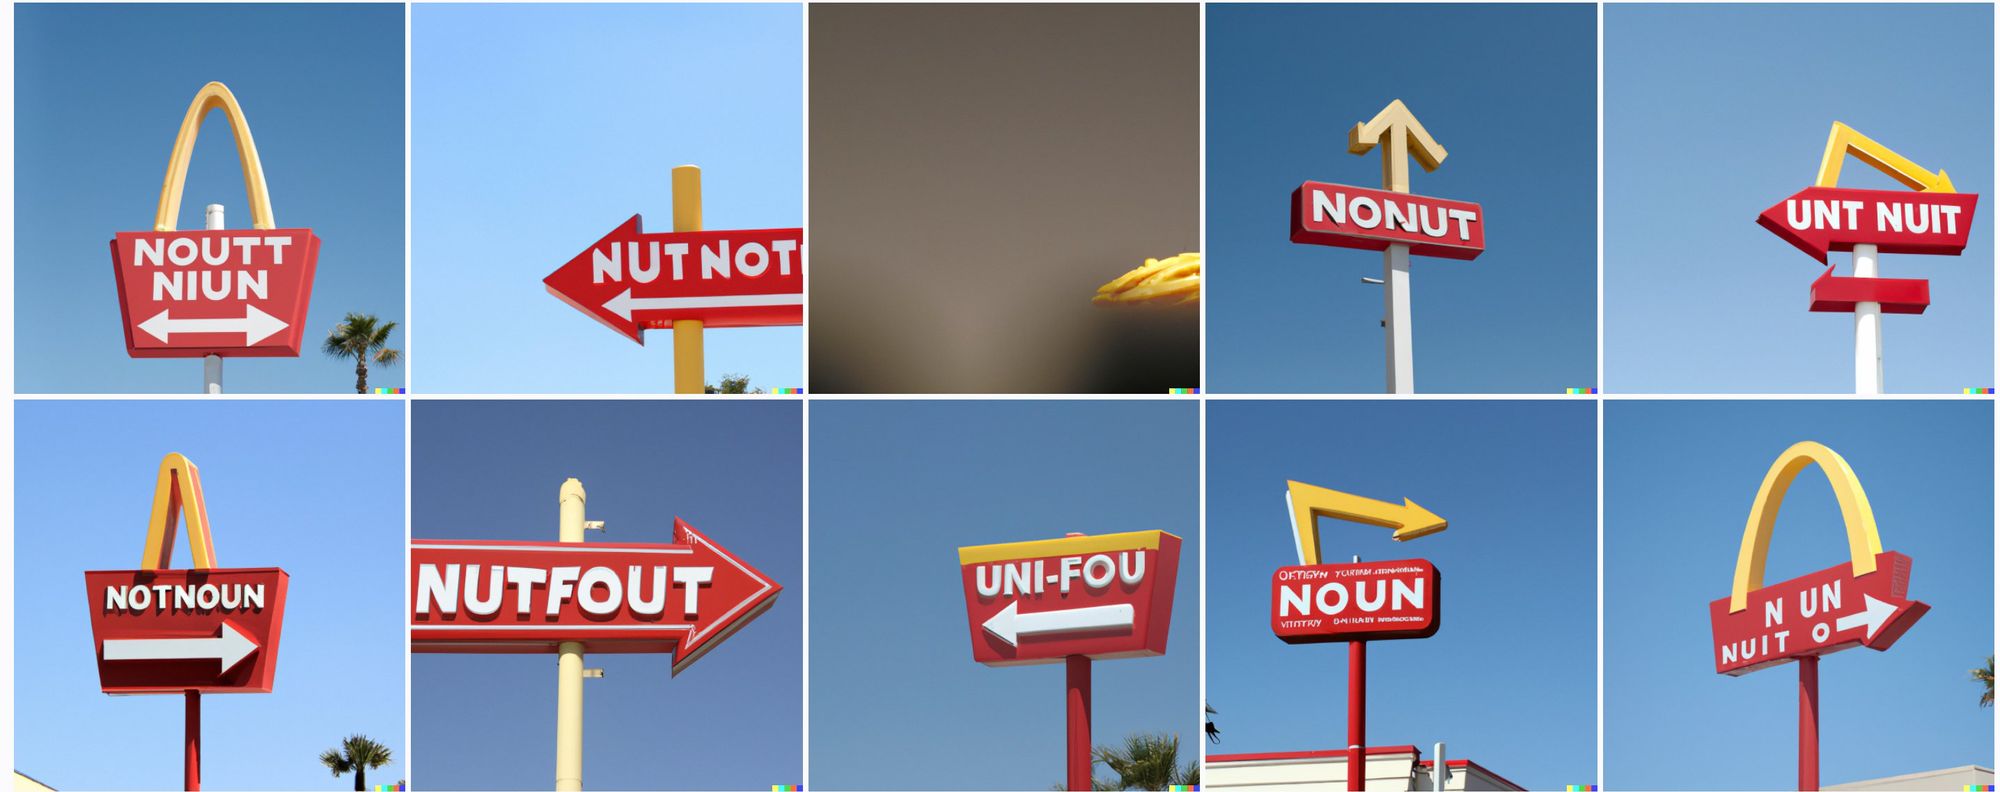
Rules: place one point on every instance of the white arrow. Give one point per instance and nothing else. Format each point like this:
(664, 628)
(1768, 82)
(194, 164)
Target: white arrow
(1875, 615)
(230, 647)
(624, 304)
(255, 325)
(1009, 624)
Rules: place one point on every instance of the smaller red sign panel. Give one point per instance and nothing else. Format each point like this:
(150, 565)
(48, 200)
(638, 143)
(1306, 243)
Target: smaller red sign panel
(632, 281)
(1822, 219)
(1104, 597)
(166, 631)
(229, 293)
(1357, 217)
(1821, 613)
(1833, 294)
(529, 597)
(1371, 601)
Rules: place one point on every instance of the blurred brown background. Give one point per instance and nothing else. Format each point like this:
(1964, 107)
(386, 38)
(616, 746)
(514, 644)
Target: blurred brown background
(976, 172)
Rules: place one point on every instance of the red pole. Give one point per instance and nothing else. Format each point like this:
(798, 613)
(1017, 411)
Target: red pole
(1078, 701)
(1357, 711)
(1809, 724)
(191, 775)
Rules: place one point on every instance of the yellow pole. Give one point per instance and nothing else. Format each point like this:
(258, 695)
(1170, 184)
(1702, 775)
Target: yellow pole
(569, 665)
(688, 368)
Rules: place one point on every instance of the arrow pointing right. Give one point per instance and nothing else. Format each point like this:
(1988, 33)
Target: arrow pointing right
(1010, 624)
(230, 647)
(255, 326)
(1874, 615)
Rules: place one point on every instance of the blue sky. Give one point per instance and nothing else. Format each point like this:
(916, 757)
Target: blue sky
(1509, 679)
(1678, 482)
(898, 487)
(1713, 114)
(323, 500)
(491, 470)
(99, 96)
(1508, 90)
(537, 129)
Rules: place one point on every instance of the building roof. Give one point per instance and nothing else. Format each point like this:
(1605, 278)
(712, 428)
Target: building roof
(1373, 750)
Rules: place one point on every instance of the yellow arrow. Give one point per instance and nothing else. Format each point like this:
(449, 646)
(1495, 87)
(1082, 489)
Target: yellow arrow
(1863, 540)
(1396, 129)
(1309, 503)
(1844, 140)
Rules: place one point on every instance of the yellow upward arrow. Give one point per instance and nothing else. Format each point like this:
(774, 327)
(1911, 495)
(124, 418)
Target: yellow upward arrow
(1309, 503)
(1844, 139)
(1397, 130)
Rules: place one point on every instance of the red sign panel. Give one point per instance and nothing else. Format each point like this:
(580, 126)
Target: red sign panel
(166, 631)
(1821, 613)
(1357, 217)
(229, 293)
(1833, 294)
(633, 281)
(528, 597)
(1104, 597)
(1821, 219)
(1371, 601)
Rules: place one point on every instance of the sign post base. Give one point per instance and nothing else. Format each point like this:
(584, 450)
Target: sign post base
(1077, 702)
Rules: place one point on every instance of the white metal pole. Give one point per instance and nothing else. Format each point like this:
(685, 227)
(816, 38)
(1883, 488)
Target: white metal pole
(211, 366)
(1867, 328)
(1396, 312)
(569, 665)
(1438, 768)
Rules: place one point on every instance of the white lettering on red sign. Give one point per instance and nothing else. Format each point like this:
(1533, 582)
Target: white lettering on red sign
(598, 590)
(1032, 578)
(185, 597)
(616, 261)
(1407, 216)
(1833, 214)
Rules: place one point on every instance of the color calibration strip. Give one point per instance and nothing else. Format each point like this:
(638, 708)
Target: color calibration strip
(1979, 392)
(788, 391)
(1184, 391)
(1581, 391)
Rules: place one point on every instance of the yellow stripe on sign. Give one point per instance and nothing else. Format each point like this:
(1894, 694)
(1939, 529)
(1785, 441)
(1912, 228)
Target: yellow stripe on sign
(1844, 140)
(1073, 545)
(1863, 541)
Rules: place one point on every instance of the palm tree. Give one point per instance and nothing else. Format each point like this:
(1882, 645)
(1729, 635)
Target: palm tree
(357, 754)
(1985, 675)
(361, 337)
(1149, 761)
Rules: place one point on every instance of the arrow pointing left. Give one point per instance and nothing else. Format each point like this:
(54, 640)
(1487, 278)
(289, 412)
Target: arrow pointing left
(230, 646)
(1010, 624)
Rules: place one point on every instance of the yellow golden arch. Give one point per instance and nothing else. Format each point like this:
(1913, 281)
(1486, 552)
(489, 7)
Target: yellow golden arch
(1863, 542)
(177, 492)
(211, 96)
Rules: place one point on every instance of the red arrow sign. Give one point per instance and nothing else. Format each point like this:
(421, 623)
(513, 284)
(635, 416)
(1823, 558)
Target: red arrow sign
(1372, 601)
(1103, 597)
(1822, 219)
(1832, 294)
(1821, 613)
(166, 631)
(1357, 217)
(632, 281)
(527, 597)
(229, 293)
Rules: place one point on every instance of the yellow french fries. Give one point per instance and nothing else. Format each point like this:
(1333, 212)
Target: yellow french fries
(1175, 281)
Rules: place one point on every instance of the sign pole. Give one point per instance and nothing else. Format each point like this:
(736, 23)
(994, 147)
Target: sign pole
(1809, 724)
(1357, 714)
(688, 364)
(211, 366)
(569, 665)
(1077, 700)
(1867, 328)
(1396, 273)
(191, 774)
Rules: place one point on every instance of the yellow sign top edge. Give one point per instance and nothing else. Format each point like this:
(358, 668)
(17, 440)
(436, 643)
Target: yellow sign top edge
(1070, 545)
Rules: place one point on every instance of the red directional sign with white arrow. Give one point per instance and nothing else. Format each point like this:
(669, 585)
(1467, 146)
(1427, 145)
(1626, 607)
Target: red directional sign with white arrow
(1102, 597)
(633, 281)
(1816, 614)
(170, 630)
(229, 293)
(473, 596)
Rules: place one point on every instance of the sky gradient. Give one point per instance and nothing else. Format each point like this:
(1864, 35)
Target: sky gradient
(1508, 90)
(1678, 482)
(99, 96)
(1700, 299)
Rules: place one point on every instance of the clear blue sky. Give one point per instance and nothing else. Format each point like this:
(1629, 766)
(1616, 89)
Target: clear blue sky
(1678, 482)
(491, 470)
(1713, 114)
(1509, 679)
(536, 129)
(323, 500)
(98, 97)
(898, 487)
(1508, 90)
